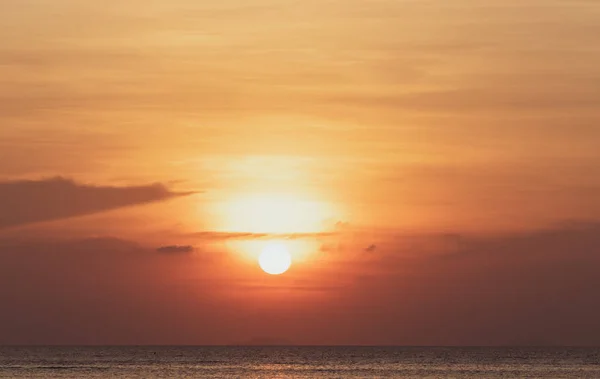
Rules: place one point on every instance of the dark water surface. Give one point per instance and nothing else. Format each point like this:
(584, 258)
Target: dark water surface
(297, 362)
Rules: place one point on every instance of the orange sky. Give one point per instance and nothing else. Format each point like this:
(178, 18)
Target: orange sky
(395, 124)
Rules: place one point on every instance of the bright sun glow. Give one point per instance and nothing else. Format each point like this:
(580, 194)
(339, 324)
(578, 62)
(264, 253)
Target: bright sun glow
(275, 259)
(275, 213)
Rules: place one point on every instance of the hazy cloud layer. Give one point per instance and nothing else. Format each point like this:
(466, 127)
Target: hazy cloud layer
(533, 288)
(29, 201)
(530, 288)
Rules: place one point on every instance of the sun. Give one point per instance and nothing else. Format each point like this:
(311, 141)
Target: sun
(275, 259)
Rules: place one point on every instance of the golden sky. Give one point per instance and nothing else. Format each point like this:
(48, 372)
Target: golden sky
(309, 117)
(402, 113)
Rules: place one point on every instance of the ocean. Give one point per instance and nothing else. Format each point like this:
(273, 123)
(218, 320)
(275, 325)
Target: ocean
(298, 362)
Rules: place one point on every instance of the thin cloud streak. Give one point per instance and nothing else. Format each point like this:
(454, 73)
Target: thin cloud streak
(216, 236)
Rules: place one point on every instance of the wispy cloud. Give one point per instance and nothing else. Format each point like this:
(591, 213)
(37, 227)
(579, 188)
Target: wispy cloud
(209, 235)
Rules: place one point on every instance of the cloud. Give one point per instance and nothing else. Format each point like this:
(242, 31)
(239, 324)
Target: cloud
(371, 248)
(60, 290)
(524, 288)
(210, 235)
(175, 249)
(527, 288)
(29, 201)
(476, 99)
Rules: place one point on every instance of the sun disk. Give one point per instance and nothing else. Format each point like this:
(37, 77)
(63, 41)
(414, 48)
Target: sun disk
(275, 259)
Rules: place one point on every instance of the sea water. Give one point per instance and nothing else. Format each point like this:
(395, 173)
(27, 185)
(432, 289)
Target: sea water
(298, 362)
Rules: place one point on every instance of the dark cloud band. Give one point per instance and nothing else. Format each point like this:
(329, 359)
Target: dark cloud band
(29, 201)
